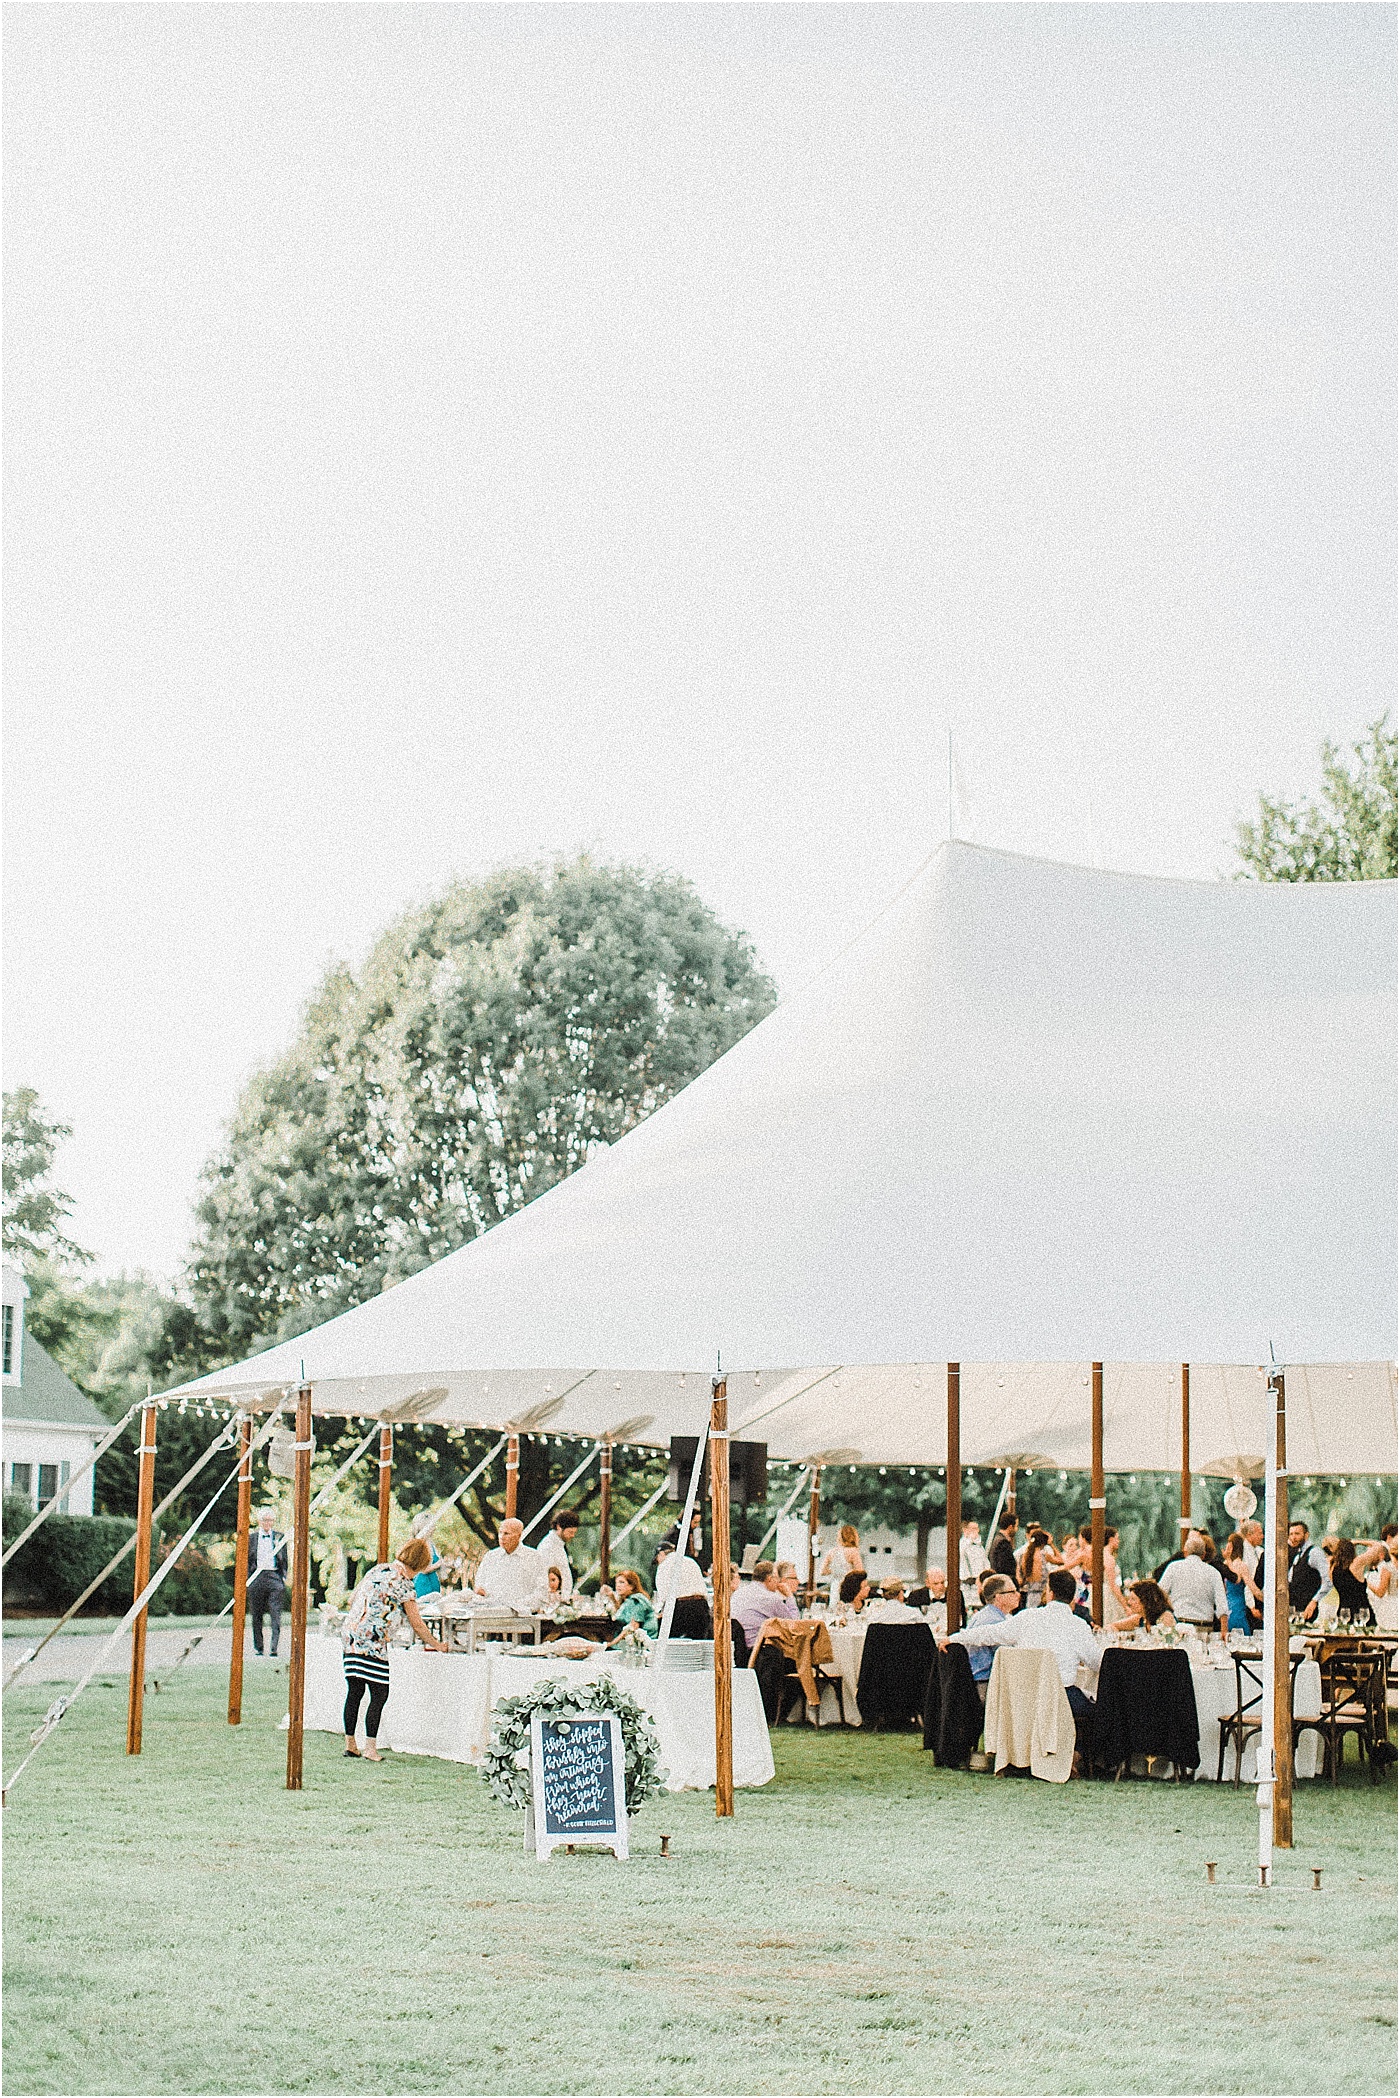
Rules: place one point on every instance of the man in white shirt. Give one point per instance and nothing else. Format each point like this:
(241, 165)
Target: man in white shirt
(555, 1550)
(972, 1564)
(678, 1575)
(1053, 1626)
(1253, 1535)
(1194, 1588)
(511, 1576)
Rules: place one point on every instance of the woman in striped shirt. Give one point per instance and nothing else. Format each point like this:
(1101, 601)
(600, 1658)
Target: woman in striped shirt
(383, 1596)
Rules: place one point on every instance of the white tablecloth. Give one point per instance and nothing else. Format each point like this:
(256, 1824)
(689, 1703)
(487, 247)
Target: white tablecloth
(1215, 1700)
(847, 1646)
(440, 1705)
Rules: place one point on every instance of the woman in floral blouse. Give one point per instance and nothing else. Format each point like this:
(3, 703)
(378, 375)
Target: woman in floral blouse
(385, 1593)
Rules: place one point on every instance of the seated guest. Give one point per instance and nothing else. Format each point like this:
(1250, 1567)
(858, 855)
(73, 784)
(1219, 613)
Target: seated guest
(679, 1576)
(429, 1582)
(934, 1590)
(511, 1576)
(1054, 1626)
(633, 1603)
(554, 1583)
(761, 1598)
(999, 1599)
(1194, 1588)
(855, 1592)
(1146, 1605)
(789, 1580)
(890, 1607)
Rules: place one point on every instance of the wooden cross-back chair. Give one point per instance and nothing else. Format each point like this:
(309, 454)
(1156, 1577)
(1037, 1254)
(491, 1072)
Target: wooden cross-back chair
(1353, 1702)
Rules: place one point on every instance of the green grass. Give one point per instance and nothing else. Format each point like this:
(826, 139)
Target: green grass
(865, 1924)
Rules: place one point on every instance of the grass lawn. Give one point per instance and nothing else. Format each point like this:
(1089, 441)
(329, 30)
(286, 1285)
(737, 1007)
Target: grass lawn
(866, 1924)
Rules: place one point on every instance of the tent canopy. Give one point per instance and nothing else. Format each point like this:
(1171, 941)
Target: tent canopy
(1034, 1114)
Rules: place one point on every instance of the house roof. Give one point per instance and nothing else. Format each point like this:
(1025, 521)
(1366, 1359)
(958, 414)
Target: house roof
(47, 1393)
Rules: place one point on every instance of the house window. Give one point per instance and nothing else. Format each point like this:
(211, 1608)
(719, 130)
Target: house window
(64, 1472)
(48, 1482)
(9, 1342)
(22, 1480)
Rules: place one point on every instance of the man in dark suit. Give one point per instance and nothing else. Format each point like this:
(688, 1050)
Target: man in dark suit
(267, 1579)
(1003, 1552)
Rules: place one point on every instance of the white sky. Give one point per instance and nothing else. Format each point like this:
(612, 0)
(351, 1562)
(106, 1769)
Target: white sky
(444, 436)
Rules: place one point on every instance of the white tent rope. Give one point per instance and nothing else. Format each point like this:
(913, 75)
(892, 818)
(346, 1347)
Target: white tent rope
(167, 1566)
(803, 1476)
(663, 1639)
(577, 1473)
(220, 1442)
(425, 1528)
(73, 1477)
(1001, 1503)
(628, 1527)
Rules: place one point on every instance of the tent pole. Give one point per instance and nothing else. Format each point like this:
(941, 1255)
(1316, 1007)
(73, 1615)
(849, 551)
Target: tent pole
(814, 1517)
(512, 1475)
(240, 1570)
(605, 1511)
(301, 1581)
(1184, 1522)
(953, 1498)
(386, 1485)
(1097, 1501)
(719, 1579)
(145, 1494)
(1283, 1675)
(1011, 1493)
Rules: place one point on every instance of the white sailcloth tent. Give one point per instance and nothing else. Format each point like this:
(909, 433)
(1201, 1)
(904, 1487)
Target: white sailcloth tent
(1035, 1114)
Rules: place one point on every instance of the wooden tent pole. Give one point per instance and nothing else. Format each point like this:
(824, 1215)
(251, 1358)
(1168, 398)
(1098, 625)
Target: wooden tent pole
(1011, 1497)
(512, 1475)
(605, 1512)
(953, 1498)
(719, 1573)
(301, 1582)
(1096, 1498)
(145, 1495)
(386, 1487)
(1283, 1676)
(240, 1570)
(1184, 1522)
(814, 1517)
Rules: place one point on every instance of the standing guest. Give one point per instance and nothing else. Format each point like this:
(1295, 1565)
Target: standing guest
(1003, 1551)
(1377, 1561)
(267, 1580)
(1146, 1605)
(1195, 1589)
(1031, 1571)
(511, 1576)
(1114, 1600)
(999, 1600)
(1309, 1571)
(1054, 1626)
(1242, 1596)
(972, 1562)
(855, 1592)
(385, 1594)
(1351, 1593)
(843, 1558)
(678, 1575)
(429, 1582)
(555, 1549)
(1253, 1535)
(763, 1597)
(633, 1603)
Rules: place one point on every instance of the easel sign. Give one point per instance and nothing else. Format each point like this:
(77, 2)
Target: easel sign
(578, 1787)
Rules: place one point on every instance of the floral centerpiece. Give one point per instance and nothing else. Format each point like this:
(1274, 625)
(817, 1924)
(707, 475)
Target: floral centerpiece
(507, 1763)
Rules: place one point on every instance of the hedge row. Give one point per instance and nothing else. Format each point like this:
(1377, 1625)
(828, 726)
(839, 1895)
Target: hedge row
(68, 1551)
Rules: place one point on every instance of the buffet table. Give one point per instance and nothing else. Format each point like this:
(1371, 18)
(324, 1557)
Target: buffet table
(440, 1705)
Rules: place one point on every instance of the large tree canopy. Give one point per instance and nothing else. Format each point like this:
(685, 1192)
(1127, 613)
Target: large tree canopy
(494, 1040)
(1347, 834)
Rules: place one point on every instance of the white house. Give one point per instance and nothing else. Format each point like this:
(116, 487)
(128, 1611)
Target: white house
(50, 1427)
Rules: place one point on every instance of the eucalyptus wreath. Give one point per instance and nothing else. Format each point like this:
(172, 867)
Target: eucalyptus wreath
(507, 1763)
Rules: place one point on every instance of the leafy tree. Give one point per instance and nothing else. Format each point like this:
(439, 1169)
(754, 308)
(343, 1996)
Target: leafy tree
(493, 1042)
(1347, 834)
(34, 1209)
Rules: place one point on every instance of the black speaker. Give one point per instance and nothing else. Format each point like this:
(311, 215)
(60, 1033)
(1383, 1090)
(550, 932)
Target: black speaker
(748, 1470)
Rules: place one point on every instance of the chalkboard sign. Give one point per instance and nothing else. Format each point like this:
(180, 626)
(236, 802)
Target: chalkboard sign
(578, 1790)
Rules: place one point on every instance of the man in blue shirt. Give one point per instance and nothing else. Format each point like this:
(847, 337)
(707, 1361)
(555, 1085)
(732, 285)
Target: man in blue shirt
(1000, 1599)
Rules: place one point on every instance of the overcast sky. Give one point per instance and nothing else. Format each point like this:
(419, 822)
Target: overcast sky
(445, 436)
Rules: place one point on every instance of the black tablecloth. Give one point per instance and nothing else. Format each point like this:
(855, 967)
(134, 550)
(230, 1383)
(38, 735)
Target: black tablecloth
(894, 1671)
(1146, 1706)
(953, 1712)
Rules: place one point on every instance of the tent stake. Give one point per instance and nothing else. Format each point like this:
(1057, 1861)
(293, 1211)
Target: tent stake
(145, 1494)
(719, 1572)
(301, 1581)
(240, 1570)
(1184, 1521)
(1096, 1498)
(605, 1512)
(953, 1498)
(386, 1486)
(512, 1475)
